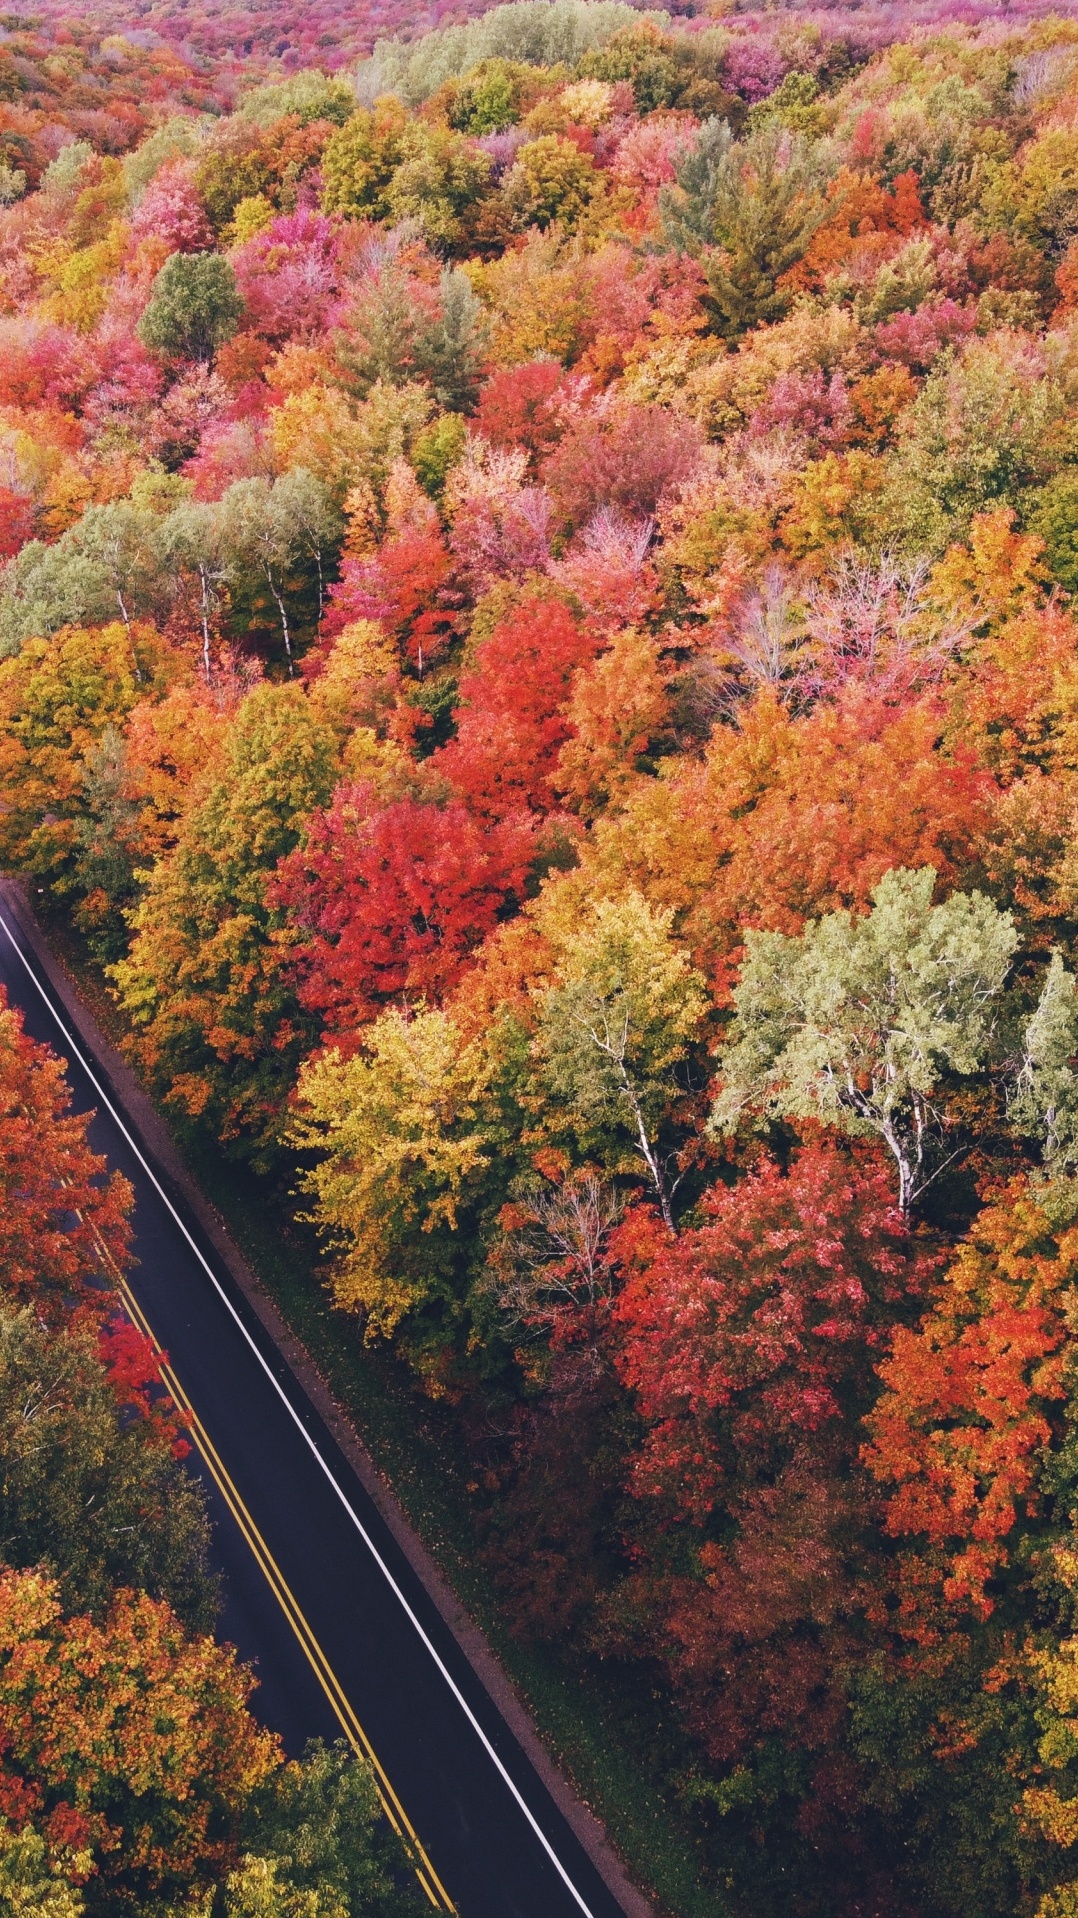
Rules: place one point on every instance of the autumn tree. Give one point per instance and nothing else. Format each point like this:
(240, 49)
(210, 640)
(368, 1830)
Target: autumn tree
(391, 900)
(214, 1020)
(748, 1343)
(63, 1224)
(91, 1492)
(125, 1741)
(859, 1020)
(616, 1027)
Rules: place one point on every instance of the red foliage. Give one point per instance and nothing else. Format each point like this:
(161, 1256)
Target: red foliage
(403, 584)
(625, 457)
(63, 1227)
(510, 723)
(394, 899)
(517, 406)
(133, 1367)
(16, 521)
(748, 1335)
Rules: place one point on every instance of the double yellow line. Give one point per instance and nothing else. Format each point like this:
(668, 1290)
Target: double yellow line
(278, 1584)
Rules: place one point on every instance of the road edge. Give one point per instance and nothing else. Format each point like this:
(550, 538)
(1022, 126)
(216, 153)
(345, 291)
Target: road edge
(154, 1132)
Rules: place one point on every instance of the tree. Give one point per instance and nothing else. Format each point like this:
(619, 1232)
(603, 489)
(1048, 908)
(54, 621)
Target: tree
(63, 1225)
(90, 1492)
(215, 1023)
(749, 1343)
(615, 1029)
(59, 698)
(193, 540)
(359, 161)
(316, 1845)
(752, 208)
(404, 1141)
(1045, 1101)
(963, 1433)
(511, 719)
(272, 528)
(125, 1740)
(551, 180)
(391, 900)
(857, 1021)
(195, 306)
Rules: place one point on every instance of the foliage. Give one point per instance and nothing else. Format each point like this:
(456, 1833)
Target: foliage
(859, 1020)
(194, 307)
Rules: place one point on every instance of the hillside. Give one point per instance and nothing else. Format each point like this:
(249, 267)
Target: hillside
(539, 670)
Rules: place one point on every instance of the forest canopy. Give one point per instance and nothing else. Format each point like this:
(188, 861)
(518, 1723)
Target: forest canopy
(539, 667)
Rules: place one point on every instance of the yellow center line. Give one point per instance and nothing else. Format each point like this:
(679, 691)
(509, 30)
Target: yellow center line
(267, 1564)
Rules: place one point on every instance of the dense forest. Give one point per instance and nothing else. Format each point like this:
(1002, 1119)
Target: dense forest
(539, 666)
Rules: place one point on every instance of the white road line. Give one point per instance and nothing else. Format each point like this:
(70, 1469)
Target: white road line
(298, 1422)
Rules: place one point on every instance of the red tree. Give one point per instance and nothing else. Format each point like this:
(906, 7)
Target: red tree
(63, 1226)
(749, 1345)
(510, 723)
(393, 899)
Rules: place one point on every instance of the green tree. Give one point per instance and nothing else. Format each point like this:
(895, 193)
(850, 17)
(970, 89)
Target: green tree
(48, 587)
(35, 1885)
(194, 545)
(97, 1501)
(360, 160)
(749, 210)
(858, 1020)
(440, 177)
(316, 1846)
(551, 180)
(450, 352)
(272, 529)
(1055, 517)
(195, 306)
(217, 1030)
(614, 1030)
(1045, 1101)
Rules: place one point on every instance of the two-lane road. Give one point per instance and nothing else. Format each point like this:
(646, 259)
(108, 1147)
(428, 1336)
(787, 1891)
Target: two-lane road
(318, 1593)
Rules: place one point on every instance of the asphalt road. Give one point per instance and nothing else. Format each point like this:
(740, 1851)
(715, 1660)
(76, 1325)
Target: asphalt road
(319, 1597)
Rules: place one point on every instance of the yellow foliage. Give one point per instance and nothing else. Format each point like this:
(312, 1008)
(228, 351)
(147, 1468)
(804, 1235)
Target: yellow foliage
(82, 280)
(400, 1128)
(537, 298)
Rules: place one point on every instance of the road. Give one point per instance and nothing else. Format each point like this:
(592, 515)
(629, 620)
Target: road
(318, 1594)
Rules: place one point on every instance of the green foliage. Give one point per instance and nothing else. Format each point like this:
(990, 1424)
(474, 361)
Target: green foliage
(641, 55)
(437, 451)
(216, 1025)
(360, 161)
(97, 1502)
(1055, 518)
(979, 431)
(47, 587)
(536, 33)
(489, 98)
(764, 203)
(439, 177)
(304, 96)
(551, 180)
(614, 1031)
(1045, 1105)
(32, 1885)
(857, 1021)
(317, 1846)
(195, 306)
